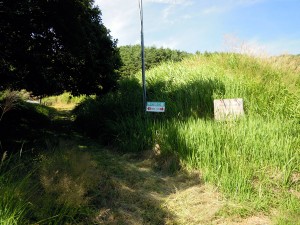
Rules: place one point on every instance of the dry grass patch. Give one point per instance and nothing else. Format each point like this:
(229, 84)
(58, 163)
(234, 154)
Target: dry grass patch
(145, 195)
(69, 174)
(195, 205)
(127, 189)
(252, 220)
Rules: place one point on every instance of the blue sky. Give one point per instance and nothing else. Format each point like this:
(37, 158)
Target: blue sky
(269, 27)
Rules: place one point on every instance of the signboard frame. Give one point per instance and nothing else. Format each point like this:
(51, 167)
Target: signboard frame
(228, 109)
(155, 107)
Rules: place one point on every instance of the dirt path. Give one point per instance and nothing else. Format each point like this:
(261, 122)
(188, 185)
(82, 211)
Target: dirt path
(131, 190)
(135, 193)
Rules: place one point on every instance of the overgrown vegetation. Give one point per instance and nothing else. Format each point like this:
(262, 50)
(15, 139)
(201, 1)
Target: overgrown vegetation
(63, 100)
(14, 201)
(53, 187)
(44, 178)
(254, 160)
(22, 123)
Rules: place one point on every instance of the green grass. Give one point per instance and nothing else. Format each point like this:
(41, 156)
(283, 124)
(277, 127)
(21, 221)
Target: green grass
(43, 180)
(14, 204)
(52, 188)
(254, 160)
(64, 100)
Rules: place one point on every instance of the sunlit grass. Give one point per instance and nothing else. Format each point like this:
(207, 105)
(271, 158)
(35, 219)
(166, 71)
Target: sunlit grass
(252, 160)
(65, 101)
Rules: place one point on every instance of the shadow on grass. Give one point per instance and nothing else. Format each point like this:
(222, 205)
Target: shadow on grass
(116, 116)
(193, 99)
(27, 126)
(130, 191)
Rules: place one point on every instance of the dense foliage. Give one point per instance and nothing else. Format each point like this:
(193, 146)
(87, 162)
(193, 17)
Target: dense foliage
(51, 46)
(131, 58)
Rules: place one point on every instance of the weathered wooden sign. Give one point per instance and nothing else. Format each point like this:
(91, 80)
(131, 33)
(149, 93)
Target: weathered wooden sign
(228, 109)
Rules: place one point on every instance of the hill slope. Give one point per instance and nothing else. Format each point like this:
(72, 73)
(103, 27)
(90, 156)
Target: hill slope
(255, 160)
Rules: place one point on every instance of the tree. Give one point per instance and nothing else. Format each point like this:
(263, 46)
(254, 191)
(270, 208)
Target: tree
(131, 58)
(51, 46)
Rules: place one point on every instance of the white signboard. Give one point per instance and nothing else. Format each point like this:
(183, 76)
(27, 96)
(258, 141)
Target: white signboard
(155, 107)
(227, 109)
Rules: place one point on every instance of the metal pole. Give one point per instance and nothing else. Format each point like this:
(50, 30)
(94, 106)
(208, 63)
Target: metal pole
(143, 56)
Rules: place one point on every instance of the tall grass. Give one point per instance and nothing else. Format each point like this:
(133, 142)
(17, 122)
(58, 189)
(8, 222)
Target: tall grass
(41, 182)
(254, 160)
(14, 204)
(54, 188)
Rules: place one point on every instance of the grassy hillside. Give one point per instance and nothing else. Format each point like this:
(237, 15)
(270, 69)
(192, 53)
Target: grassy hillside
(255, 160)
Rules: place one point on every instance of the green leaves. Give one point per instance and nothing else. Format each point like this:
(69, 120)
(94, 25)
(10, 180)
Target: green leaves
(131, 58)
(49, 47)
